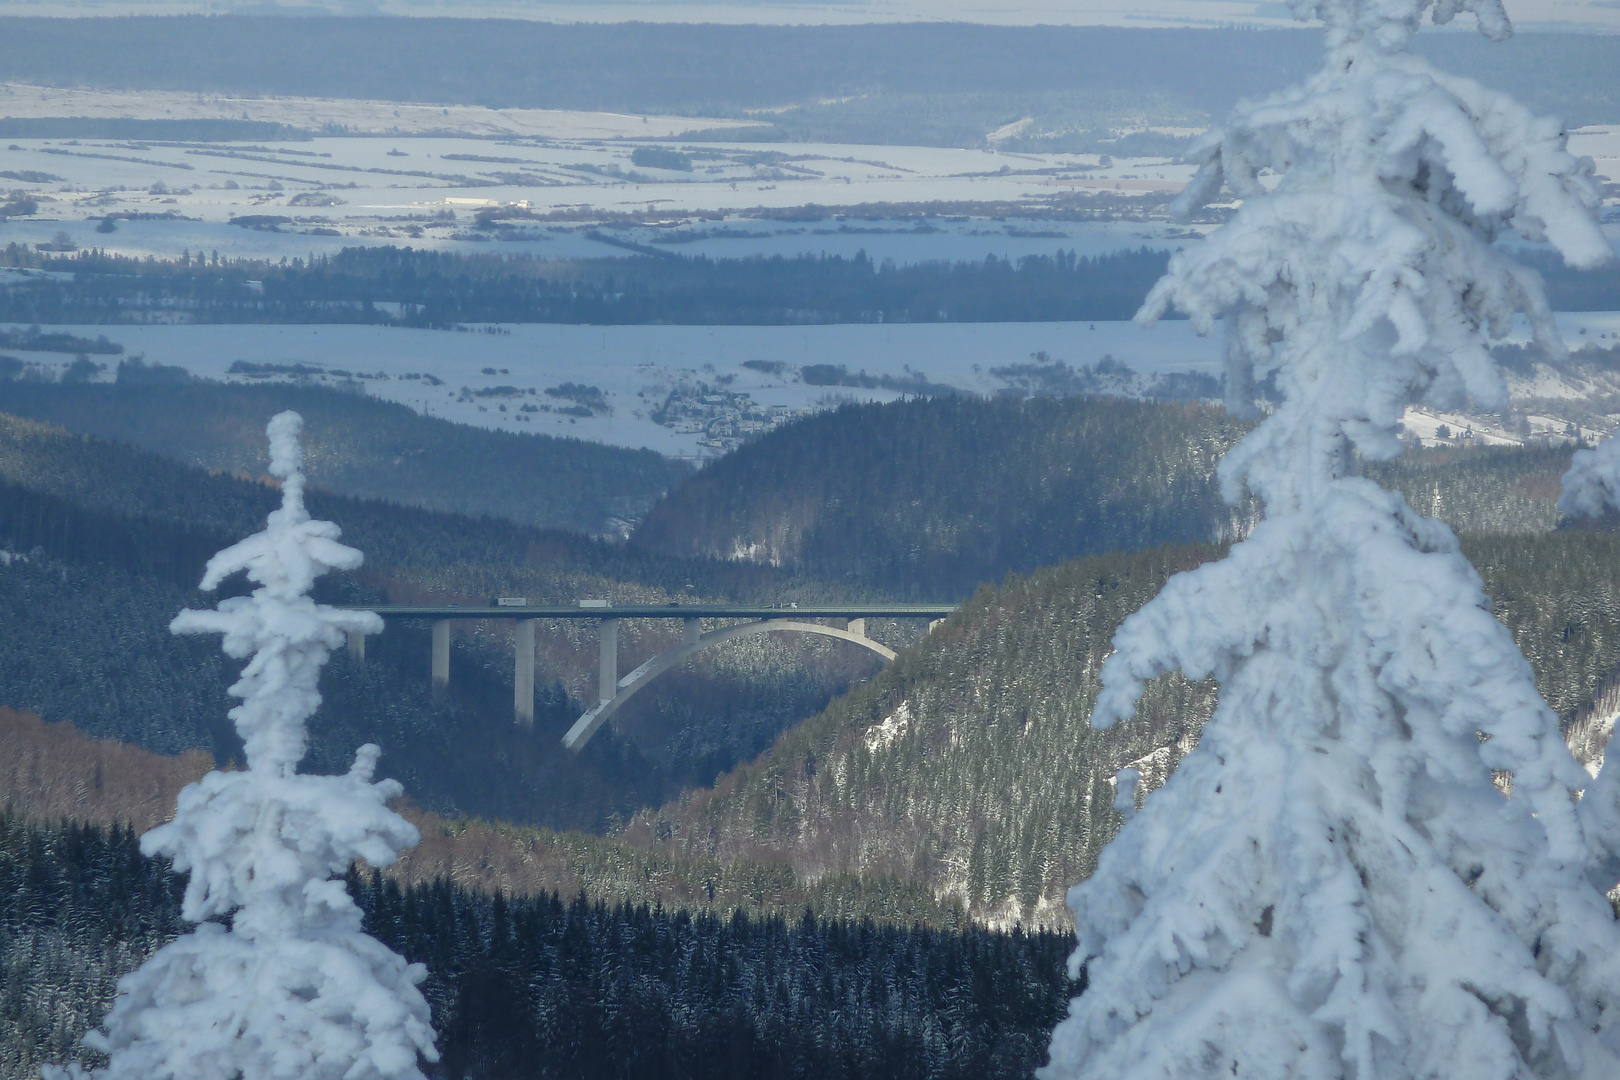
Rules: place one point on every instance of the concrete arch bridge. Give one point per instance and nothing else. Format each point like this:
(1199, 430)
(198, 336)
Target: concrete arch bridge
(845, 622)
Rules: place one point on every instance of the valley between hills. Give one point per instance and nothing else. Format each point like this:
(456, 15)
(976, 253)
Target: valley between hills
(959, 788)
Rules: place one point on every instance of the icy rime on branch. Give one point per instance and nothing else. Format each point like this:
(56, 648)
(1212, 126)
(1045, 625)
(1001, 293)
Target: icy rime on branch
(1330, 886)
(293, 990)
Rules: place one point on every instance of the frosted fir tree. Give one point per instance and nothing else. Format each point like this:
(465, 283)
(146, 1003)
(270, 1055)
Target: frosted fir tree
(1331, 885)
(293, 989)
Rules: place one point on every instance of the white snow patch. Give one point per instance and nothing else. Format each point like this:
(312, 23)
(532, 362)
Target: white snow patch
(892, 727)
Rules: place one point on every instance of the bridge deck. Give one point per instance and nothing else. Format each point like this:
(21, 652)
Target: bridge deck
(670, 611)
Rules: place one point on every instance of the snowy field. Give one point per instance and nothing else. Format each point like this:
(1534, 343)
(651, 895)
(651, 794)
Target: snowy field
(421, 175)
(422, 187)
(685, 390)
(636, 368)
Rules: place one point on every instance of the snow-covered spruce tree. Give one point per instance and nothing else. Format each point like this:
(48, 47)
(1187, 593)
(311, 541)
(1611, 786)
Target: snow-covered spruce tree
(293, 989)
(1330, 885)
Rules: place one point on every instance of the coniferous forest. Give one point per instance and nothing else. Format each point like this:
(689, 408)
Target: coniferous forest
(435, 289)
(432, 289)
(545, 986)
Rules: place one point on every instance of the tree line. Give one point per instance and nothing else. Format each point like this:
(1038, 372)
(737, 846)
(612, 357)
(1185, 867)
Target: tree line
(440, 289)
(402, 286)
(547, 987)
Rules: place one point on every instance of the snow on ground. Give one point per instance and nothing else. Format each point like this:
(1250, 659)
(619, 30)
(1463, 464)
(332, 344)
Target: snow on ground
(327, 193)
(426, 189)
(684, 390)
(638, 368)
(361, 117)
(1540, 391)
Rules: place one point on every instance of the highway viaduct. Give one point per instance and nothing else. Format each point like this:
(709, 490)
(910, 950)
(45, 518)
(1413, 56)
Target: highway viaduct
(613, 691)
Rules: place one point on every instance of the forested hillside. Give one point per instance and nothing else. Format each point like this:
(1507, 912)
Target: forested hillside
(1483, 490)
(546, 987)
(358, 445)
(112, 541)
(969, 764)
(50, 773)
(964, 779)
(458, 556)
(929, 498)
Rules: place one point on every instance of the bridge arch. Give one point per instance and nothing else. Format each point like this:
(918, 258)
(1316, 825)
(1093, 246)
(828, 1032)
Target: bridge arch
(627, 687)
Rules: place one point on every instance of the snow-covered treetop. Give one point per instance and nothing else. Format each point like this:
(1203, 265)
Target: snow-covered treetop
(1367, 278)
(1331, 885)
(223, 834)
(277, 624)
(1387, 24)
(294, 989)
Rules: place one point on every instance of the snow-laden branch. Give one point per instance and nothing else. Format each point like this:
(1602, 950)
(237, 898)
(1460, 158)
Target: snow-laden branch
(1592, 484)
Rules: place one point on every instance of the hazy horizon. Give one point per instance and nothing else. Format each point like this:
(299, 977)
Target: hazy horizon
(1530, 15)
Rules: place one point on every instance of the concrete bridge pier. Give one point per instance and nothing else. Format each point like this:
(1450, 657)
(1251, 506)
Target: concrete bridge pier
(856, 627)
(607, 683)
(357, 646)
(441, 657)
(523, 673)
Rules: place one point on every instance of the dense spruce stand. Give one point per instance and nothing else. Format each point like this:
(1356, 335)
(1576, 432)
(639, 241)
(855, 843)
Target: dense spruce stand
(555, 987)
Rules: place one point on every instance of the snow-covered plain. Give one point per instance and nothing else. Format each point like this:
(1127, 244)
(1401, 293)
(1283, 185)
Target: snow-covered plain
(573, 175)
(637, 367)
(420, 175)
(423, 188)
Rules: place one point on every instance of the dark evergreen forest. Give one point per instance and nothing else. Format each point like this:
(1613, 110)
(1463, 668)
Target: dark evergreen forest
(543, 987)
(439, 289)
(442, 289)
(929, 498)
